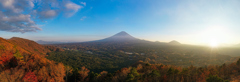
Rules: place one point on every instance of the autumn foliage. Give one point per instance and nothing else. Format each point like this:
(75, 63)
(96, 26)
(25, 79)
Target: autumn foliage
(19, 64)
(30, 77)
(5, 57)
(29, 45)
(144, 72)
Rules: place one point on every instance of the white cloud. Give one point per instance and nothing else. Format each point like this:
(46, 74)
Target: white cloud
(84, 3)
(84, 17)
(7, 3)
(20, 23)
(21, 15)
(48, 14)
(13, 19)
(71, 8)
(19, 18)
(31, 3)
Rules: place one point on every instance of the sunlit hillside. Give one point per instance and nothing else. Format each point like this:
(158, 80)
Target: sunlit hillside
(25, 64)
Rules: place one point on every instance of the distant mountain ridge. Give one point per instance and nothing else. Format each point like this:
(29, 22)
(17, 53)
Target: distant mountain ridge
(49, 42)
(119, 37)
(174, 42)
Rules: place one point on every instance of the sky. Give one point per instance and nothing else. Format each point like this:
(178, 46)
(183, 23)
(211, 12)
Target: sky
(187, 21)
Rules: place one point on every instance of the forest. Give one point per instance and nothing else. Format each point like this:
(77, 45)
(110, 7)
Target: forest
(145, 72)
(98, 56)
(148, 62)
(123, 62)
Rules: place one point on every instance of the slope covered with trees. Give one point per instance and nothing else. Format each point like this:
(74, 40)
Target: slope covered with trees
(29, 45)
(145, 72)
(19, 64)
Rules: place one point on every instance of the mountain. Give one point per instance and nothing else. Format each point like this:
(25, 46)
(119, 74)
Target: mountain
(120, 37)
(20, 61)
(5, 45)
(174, 42)
(29, 45)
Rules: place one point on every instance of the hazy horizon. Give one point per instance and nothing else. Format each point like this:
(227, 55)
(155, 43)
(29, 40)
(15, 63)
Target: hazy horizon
(67, 41)
(189, 22)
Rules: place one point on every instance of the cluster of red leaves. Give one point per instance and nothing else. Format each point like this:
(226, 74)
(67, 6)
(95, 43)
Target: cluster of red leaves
(153, 67)
(5, 57)
(30, 77)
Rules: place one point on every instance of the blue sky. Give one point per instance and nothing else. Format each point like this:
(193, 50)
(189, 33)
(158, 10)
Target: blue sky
(187, 21)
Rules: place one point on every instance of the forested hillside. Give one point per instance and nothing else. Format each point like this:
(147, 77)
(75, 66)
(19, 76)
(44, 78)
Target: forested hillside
(29, 45)
(19, 62)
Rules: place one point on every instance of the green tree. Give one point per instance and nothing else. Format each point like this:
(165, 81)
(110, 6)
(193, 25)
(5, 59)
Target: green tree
(215, 78)
(170, 71)
(134, 72)
(132, 75)
(238, 62)
(155, 73)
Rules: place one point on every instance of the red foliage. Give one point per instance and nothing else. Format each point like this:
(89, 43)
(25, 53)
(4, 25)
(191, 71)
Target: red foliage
(124, 69)
(153, 67)
(5, 57)
(30, 77)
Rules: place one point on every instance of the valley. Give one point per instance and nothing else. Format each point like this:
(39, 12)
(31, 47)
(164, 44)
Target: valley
(112, 55)
(114, 59)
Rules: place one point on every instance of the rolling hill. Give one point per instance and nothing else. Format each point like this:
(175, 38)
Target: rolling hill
(29, 45)
(20, 62)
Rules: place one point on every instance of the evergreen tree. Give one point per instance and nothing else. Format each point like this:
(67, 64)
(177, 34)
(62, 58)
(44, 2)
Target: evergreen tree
(215, 78)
